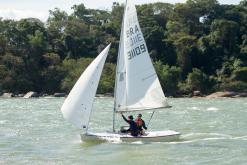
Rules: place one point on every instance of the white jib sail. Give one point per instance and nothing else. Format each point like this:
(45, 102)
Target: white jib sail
(78, 105)
(142, 87)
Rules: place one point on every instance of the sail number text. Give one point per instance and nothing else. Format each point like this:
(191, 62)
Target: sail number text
(136, 51)
(135, 39)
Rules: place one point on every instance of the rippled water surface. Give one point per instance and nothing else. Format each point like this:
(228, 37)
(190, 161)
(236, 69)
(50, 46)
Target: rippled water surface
(214, 131)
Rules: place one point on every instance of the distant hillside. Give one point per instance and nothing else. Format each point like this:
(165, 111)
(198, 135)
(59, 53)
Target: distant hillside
(199, 45)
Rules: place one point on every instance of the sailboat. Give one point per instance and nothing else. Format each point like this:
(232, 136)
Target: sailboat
(137, 87)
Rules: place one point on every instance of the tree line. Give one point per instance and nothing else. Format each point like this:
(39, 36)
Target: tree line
(197, 45)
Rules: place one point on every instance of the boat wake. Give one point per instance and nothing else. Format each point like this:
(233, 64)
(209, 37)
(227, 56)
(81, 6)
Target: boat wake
(139, 142)
(212, 109)
(195, 108)
(197, 137)
(114, 139)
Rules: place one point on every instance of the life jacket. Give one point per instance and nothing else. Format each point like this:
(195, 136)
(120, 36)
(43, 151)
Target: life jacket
(139, 122)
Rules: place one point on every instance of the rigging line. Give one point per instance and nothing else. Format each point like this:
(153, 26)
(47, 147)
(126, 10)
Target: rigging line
(150, 119)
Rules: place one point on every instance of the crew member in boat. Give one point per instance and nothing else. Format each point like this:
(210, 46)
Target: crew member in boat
(140, 124)
(132, 125)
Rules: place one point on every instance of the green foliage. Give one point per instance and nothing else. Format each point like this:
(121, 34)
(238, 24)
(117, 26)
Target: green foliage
(197, 80)
(57, 16)
(52, 73)
(73, 70)
(185, 48)
(107, 81)
(169, 77)
(81, 12)
(197, 45)
(225, 33)
(37, 40)
(240, 74)
(238, 86)
(243, 3)
(12, 73)
(228, 69)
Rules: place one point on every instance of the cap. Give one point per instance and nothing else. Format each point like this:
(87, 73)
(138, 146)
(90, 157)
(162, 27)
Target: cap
(139, 115)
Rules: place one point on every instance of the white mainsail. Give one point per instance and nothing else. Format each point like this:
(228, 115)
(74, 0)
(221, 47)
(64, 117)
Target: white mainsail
(137, 84)
(78, 105)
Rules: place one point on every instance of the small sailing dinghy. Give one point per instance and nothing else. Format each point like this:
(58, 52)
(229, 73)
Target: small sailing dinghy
(137, 87)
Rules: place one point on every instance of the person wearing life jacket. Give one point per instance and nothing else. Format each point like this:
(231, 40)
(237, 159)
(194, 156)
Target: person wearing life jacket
(133, 127)
(140, 124)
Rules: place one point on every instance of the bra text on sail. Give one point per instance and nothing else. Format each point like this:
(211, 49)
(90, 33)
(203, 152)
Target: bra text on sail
(135, 40)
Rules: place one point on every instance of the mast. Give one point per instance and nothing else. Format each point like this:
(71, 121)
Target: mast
(116, 75)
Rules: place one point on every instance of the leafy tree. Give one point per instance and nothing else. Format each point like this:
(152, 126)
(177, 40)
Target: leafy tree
(197, 45)
(169, 77)
(197, 80)
(238, 86)
(107, 81)
(56, 24)
(52, 72)
(58, 18)
(81, 12)
(73, 70)
(225, 33)
(185, 48)
(240, 74)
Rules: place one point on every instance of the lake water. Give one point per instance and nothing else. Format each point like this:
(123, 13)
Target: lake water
(214, 131)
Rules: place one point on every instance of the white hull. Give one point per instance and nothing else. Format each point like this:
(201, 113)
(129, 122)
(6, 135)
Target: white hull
(154, 136)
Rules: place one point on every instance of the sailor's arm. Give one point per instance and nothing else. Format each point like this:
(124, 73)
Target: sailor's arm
(144, 125)
(124, 118)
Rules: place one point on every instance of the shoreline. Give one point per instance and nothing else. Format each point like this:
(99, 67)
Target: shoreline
(219, 94)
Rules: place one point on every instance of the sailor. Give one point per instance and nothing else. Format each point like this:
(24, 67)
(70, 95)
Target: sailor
(132, 125)
(140, 124)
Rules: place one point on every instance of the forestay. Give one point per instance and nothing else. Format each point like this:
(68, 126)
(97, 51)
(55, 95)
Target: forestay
(78, 105)
(137, 84)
